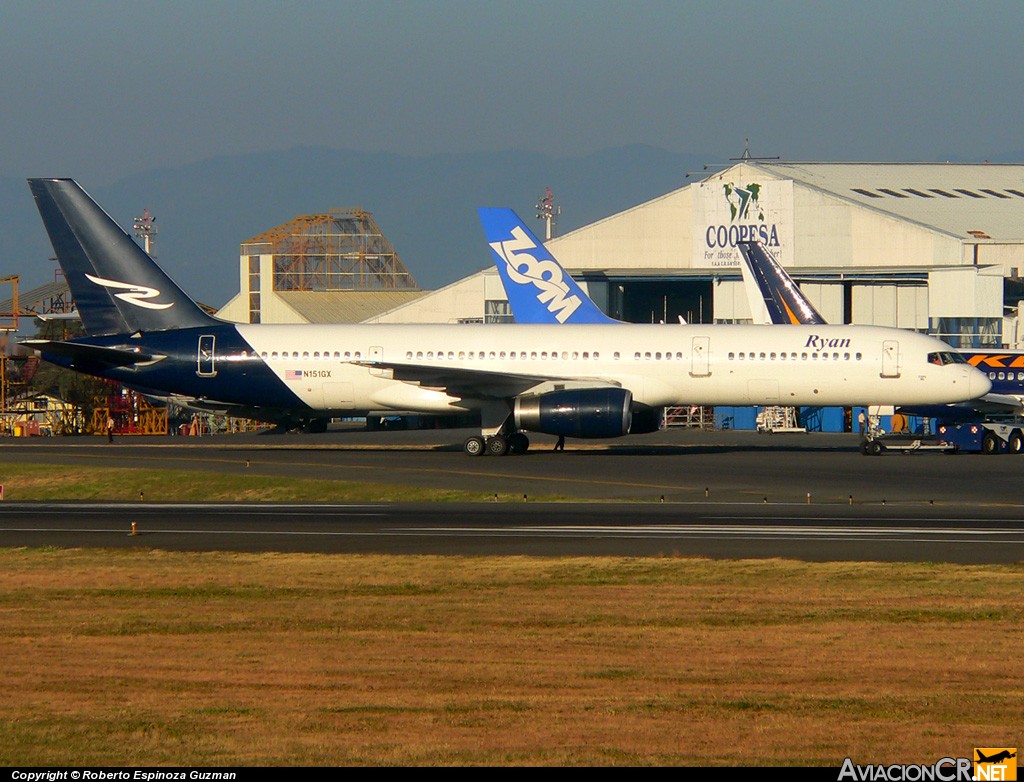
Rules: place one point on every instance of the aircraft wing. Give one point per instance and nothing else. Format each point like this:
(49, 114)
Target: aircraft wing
(989, 404)
(475, 383)
(997, 403)
(96, 354)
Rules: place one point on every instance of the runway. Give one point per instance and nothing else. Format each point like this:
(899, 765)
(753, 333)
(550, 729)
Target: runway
(538, 529)
(715, 494)
(677, 465)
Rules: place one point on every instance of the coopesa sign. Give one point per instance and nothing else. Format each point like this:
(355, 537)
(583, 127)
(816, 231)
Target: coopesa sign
(729, 235)
(728, 211)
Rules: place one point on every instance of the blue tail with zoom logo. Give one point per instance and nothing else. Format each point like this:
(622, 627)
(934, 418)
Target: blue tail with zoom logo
(539, 290)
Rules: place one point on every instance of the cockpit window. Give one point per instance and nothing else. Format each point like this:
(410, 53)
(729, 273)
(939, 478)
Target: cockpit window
(946, 357)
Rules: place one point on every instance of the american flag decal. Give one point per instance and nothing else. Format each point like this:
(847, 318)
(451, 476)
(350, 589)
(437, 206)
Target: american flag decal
(293, 374)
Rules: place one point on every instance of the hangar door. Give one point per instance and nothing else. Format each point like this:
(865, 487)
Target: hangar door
(662, 301)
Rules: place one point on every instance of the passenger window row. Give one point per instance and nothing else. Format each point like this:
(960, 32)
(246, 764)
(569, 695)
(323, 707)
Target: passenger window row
(814, 356)
(565, 355)
(347, 355)
(657, 356)
(511, 355)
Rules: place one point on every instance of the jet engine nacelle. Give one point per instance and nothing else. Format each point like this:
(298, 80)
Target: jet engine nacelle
(576, 412)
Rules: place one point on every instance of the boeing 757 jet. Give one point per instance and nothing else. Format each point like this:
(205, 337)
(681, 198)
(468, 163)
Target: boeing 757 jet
(602, 379)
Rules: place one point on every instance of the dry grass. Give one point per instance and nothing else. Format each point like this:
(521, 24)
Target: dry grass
(30, 482)
(151, 658)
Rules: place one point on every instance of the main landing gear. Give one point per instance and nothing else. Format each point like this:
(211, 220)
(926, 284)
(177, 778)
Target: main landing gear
(497, 445)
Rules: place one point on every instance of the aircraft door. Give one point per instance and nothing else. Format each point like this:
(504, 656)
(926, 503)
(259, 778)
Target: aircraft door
(700, 364)
(890, 358)
(205, 358)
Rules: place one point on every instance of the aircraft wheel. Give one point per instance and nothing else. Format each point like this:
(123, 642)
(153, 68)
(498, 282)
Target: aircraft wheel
(518, 443)
(497, 445)
(1016, 443)
(990, 443)
(875, 448)
(865, 446)
(474, 446)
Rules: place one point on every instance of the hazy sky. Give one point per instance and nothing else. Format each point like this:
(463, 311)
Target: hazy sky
(99, 90)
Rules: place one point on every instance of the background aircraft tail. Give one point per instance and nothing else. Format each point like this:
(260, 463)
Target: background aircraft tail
(117, 287)
(769, 285)
(539, 290)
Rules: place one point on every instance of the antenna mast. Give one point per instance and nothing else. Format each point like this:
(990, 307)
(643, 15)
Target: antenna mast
(746, 153)
(145, 229)
(548, 211)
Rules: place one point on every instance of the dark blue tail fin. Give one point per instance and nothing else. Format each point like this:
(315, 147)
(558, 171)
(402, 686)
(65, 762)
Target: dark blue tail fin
(117, 287)
(784, 301)
(539, 290)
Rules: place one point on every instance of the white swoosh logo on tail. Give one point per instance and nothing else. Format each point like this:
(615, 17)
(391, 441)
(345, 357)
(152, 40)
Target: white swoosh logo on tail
(135, 294)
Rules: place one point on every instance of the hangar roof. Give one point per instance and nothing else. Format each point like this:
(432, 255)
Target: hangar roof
(345, 306)
(974, 201)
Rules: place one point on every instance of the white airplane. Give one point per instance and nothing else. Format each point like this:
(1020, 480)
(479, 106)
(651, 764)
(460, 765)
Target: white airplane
(774, 298)
(593, 380)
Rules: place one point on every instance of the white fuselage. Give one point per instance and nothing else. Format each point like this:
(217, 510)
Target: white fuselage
(352, 367)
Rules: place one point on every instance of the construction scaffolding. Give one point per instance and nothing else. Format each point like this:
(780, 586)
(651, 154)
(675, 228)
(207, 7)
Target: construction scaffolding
(39, 414)
(51, 298)
(130, 412)
(15, 374)
(25, 410)
(11, 378)
(17, 369)
(341, 250)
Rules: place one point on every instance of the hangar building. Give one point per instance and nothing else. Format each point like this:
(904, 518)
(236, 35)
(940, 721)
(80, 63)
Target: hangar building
(937, 248)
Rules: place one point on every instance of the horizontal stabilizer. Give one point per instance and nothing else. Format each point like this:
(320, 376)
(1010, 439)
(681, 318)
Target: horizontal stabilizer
(94, 354)
(48, 316)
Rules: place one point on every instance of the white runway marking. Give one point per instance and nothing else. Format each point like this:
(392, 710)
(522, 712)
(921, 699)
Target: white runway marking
(907, 534)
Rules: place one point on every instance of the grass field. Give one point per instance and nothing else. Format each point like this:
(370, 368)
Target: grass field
(136, 657)
(151, 658)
